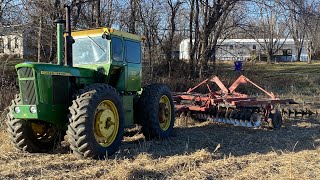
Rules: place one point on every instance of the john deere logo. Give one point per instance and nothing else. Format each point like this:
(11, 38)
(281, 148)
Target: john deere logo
(55, 73)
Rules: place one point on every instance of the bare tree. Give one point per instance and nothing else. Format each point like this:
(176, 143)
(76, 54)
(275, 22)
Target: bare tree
(305, 21)
(1, 10)
(298, 23)
(150, 19)
(269, 27)
(174, 7)
(194, 33)
(134, 11)
(96, 15)
(10, 12)
(108, 11)
(214, 15)
(77, 5)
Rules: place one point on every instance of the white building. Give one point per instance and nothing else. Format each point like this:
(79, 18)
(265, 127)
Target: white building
(12, 44)
(17, 41)
(244, 49)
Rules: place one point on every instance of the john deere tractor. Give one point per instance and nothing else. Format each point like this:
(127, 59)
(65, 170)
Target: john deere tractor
(92, 94)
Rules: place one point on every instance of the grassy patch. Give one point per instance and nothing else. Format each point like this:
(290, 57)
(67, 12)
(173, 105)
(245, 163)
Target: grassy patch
(198, 150)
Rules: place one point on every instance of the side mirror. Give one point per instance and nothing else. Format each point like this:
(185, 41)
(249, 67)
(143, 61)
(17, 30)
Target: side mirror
(106, 36)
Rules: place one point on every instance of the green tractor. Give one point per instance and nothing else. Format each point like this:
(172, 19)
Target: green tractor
(91, 97)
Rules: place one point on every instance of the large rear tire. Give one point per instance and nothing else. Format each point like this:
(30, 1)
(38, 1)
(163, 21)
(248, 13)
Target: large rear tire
(96, 122)
(156, 111)
(31, 135)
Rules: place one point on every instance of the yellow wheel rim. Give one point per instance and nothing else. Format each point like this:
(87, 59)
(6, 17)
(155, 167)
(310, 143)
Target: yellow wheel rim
(164, 113)
(106, 123)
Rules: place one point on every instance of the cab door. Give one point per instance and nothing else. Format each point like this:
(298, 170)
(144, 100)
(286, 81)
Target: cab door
(118, 67)
(132, 58)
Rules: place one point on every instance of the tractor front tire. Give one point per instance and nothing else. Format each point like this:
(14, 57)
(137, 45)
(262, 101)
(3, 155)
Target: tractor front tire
(156, 111)
(96, 122)
(32, 136)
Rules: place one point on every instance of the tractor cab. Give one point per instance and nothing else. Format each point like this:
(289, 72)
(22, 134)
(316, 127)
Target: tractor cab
(113, 53)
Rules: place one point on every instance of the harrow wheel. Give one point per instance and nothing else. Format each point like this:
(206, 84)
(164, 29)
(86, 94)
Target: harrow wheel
(276, 120)
(31, 135)
(96, 122)
(155, 110)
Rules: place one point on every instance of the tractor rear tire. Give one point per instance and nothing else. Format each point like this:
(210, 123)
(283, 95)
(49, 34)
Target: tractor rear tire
(25, 137)
(96, 122)
(156, 111)
(276, 120)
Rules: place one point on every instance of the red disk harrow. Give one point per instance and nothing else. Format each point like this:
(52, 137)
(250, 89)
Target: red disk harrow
(231, 107)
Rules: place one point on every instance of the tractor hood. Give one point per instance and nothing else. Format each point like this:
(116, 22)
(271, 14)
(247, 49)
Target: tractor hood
(58, 70)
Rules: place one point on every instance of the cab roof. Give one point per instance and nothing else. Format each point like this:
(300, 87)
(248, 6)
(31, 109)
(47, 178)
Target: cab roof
(100, 31)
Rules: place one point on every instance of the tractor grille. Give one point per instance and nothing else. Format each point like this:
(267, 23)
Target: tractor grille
(27, 87)
(25, 72)
(28, 92)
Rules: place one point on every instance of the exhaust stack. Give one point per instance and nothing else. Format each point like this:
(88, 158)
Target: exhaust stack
(68, 40)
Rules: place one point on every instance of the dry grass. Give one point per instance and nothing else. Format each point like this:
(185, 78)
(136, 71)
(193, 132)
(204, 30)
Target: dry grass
(198, 150)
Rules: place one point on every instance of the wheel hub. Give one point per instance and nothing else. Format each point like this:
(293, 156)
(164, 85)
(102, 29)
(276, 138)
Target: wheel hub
(164, 112)
(106, 123)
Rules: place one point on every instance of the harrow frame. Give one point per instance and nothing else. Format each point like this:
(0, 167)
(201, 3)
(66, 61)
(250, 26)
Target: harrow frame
(229, 106)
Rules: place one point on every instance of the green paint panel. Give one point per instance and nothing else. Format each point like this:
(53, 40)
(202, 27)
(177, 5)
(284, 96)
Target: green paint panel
(127, 102)
(134, 77)
(51, 90)
(53, 69)
(51, 113)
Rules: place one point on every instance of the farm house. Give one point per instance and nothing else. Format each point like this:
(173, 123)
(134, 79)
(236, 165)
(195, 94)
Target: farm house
(11, 44)
(245, 49)
(16, 42)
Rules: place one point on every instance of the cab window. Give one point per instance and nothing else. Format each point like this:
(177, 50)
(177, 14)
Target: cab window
(117, 48)
(133, 52)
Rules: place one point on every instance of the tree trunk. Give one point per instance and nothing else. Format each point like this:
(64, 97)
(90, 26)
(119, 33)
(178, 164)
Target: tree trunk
(150, 61)
(299, 50)
(309, 58)
(309, 53)
(204, 54)
(52, 48)
(194, 43)
(191, 55)
(39, 39)
(109, 14)
(132, 23)
(269, 56)
(76, 15)
(1, 11)
(96, 13)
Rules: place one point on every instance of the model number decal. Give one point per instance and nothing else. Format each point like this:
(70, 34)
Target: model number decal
(56, 73)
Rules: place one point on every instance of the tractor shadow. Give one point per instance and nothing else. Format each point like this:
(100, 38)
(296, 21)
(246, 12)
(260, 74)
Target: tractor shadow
(224, 140)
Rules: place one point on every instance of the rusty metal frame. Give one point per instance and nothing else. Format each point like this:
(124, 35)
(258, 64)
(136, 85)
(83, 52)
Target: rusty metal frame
(243, 80)
(226, 96)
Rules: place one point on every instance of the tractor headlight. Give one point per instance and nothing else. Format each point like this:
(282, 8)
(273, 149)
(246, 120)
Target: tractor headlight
(33, 109)
(17, 110)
